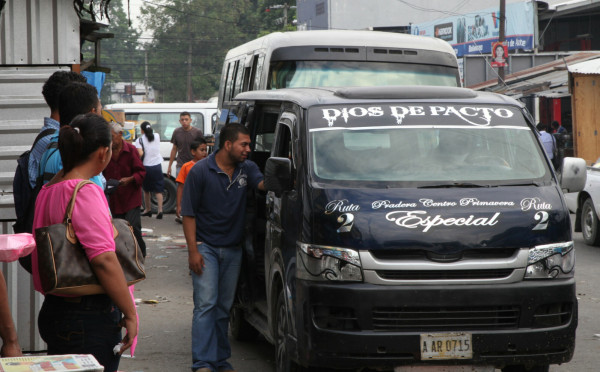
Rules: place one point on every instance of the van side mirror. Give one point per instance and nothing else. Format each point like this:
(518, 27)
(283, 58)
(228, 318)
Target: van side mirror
(574, 174)
(278, 174)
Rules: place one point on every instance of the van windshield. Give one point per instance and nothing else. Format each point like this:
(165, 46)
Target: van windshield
(430, 144)
(302, 74)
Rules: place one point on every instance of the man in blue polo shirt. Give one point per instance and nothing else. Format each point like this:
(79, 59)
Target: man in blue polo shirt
(213, 210)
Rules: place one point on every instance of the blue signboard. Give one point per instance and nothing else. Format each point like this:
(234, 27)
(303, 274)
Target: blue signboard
(474, 33)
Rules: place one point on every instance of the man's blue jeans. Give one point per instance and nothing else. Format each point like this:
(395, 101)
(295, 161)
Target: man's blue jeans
(214, 292)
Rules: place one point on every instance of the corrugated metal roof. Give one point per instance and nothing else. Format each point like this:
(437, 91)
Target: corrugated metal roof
(587, 67)
(549, 79)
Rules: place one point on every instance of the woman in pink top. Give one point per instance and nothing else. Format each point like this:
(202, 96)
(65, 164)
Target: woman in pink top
(85, 324)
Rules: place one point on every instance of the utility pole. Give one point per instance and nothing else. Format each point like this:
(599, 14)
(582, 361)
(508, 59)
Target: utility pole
(146, 74)
(502, 37)
(189, 71)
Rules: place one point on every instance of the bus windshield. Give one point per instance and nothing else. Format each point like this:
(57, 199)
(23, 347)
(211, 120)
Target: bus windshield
(302, 74)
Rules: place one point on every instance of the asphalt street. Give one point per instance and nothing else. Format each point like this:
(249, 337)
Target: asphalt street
(165, 310)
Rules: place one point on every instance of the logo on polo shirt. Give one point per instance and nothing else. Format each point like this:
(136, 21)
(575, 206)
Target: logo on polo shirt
(242, 181)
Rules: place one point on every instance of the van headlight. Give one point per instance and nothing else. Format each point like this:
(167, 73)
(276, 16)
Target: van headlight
(325, 263)
(551, 261)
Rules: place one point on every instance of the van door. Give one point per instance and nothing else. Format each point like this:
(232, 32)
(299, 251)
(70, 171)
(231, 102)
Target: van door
(283, 224)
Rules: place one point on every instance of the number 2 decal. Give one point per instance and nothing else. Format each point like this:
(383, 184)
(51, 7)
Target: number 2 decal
(543, 217)
(346, 220)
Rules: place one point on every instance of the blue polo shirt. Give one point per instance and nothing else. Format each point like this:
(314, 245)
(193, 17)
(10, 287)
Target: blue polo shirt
(217, 202)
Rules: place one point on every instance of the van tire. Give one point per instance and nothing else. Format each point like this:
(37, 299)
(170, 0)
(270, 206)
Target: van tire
(590, 223)
(283, 360)
(543, 368)
(169, 197)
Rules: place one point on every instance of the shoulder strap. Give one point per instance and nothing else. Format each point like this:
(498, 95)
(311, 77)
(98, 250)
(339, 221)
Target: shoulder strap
(43, 134)
(71, 205)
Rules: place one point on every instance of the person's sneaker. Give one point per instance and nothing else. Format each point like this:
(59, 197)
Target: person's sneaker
(178, 219)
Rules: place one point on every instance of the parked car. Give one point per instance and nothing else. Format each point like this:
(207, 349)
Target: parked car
(585, 205)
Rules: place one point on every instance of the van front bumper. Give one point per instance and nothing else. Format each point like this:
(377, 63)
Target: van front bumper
(341, 325)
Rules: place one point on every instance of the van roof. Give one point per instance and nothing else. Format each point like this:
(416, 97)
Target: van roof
(307, 97)
(342, 37)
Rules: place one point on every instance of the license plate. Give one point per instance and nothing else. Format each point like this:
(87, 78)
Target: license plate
(436, 346)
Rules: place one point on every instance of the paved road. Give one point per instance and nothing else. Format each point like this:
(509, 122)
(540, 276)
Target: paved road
(165, 335)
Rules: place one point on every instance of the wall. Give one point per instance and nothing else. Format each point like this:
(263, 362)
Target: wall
(585, 101)
(39, 32)
(37, 37)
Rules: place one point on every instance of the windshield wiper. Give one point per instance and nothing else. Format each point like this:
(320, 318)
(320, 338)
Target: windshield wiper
(532, 183)
(453, 185)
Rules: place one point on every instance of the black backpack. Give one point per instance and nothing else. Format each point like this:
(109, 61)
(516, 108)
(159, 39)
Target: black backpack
(25, 196)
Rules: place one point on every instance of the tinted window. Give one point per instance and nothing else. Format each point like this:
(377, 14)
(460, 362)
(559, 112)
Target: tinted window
(297, 74)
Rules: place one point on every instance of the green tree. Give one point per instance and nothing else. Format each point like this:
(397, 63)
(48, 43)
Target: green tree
(203, 30)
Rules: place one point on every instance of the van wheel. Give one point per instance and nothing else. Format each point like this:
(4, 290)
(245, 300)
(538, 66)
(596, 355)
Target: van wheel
(544, 368)
(241, 330)
(589, 223)
(169, 197)
(283, 360)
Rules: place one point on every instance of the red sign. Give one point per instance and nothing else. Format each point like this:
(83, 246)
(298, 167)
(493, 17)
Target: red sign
(499, 55)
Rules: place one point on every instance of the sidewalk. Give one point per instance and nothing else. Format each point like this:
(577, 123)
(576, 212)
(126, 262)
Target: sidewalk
(165, 308)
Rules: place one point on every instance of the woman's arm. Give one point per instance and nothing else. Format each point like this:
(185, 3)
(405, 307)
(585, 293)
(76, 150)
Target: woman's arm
(110, 274)
(8, 333)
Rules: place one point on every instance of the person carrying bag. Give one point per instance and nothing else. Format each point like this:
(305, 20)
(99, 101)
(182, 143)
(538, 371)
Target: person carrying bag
(85, 323)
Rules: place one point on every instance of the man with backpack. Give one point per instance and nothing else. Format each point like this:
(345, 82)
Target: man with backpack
(28, 163)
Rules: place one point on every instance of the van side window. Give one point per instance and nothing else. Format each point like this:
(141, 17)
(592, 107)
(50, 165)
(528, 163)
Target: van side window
(239, 77)
(283, 147)
(264, 137)
(164, 123)
(258, 71)
(229, 81)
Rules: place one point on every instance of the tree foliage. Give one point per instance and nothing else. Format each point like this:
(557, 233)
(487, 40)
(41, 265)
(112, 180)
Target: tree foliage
(206, 28)
(203, 31)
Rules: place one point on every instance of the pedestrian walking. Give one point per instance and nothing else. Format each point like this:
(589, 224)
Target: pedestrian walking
(199, 150)
(148, 146)
(85, 324)
(181, 139)
(126, 167)
(213, 209)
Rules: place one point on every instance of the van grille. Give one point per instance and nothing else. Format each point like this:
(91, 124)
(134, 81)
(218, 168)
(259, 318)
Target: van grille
(454, 318)
(443, 274)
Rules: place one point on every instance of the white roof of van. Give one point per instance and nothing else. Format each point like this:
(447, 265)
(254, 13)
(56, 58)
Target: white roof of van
(345, 38)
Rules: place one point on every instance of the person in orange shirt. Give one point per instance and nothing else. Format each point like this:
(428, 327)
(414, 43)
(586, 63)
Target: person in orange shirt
(198, 148)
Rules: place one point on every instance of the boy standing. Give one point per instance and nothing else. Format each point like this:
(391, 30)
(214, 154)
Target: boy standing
(198, 149)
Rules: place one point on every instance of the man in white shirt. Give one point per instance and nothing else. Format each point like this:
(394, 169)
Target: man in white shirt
(548, 140)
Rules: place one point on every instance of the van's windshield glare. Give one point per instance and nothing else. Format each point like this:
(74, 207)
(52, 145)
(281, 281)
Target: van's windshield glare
(492, 155)
(298, 74)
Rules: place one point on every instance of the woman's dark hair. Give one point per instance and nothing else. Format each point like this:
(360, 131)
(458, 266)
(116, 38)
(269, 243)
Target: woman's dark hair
(147, 129)
(77, 141)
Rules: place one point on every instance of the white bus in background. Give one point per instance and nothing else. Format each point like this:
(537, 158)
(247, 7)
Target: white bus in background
(164, 118)
(337, 58)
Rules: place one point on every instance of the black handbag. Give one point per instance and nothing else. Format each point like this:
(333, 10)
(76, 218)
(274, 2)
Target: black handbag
(63, 265)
